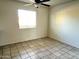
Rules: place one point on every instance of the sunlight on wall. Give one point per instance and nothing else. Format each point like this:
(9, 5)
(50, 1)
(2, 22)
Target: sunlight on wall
(64, 24)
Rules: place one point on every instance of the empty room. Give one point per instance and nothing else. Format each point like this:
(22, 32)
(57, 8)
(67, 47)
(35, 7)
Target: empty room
(39, 29)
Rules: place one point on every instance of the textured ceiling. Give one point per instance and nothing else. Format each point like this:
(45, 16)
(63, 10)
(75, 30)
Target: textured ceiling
(51, 2)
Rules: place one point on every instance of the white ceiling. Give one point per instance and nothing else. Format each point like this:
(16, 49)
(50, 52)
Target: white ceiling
(55, 2)
(51, 2)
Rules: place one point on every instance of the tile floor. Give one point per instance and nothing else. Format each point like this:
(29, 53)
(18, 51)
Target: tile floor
(45, 48)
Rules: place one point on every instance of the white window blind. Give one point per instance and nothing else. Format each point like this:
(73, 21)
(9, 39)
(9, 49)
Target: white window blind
(27, 19)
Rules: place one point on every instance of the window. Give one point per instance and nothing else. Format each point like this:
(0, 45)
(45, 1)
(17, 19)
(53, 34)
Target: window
(27, 19)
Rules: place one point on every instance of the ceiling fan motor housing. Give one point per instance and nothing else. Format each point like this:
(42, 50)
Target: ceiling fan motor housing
(40, 1)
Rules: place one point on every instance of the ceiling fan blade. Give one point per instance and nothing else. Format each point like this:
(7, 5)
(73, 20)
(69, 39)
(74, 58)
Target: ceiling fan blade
(33, 1)
(28, 4)
(45, 5)
(35, 5)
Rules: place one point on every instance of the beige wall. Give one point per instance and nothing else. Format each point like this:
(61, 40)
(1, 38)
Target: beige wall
(9, 29)
(64, 23)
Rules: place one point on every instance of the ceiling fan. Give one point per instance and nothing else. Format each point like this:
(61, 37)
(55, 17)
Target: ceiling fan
(36, 3)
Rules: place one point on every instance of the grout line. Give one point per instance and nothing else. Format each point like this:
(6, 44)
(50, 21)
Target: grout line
(18, 51)
(25, 51)
(10, 51)
(2, 53)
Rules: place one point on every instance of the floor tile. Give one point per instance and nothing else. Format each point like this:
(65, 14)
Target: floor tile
(44, 48)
